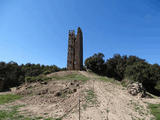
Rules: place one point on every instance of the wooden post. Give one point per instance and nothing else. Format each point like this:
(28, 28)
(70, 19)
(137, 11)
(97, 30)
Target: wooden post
(93, 84)
(79, 110)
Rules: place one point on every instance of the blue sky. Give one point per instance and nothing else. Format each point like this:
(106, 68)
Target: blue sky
(36, 31)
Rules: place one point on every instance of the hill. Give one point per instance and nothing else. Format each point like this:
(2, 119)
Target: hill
(61, 95)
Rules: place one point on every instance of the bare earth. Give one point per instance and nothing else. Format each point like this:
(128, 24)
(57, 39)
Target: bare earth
(60, 98)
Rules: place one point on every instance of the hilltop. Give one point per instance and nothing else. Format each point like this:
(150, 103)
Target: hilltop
(57, 97)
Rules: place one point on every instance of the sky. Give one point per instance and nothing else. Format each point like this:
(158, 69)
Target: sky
(36, 31)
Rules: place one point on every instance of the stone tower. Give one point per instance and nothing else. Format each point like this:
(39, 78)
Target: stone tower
(75, 50)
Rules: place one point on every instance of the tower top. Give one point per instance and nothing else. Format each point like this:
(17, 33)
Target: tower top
(79, 29)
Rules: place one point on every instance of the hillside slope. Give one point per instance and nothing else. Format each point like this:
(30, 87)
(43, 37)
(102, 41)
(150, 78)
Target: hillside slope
(100, 98)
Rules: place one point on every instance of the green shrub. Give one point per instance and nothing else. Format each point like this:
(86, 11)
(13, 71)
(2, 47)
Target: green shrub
(116, 66)
(138, 72)
(29, 79)
(96, 63)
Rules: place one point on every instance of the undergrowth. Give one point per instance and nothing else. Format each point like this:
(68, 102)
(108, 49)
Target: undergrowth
(90, 98)
(13, 114)
(71, 77)
(8, 98)
(155, 110)
(106, 79)
(37, 78)
(66, 77)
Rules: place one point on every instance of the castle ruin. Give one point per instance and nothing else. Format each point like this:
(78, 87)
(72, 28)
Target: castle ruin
(75, 50)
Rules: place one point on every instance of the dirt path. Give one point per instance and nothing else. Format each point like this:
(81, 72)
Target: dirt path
(116, 105)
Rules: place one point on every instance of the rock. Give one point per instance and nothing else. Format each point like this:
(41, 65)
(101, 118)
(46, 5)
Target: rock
(14, 89)
(58, 94)
(72, 83)
(74, 90)
(136, 89)
(45, 83)
(45, 91)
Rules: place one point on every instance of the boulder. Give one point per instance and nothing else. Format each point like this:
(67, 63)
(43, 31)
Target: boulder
(13, 89)
(136, 89)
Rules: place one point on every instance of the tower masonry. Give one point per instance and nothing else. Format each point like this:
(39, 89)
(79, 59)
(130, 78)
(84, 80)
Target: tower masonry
(75, 50)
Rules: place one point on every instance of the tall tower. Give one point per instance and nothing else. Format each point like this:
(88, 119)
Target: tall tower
(79, 50)
(71, 50)
(75, 50)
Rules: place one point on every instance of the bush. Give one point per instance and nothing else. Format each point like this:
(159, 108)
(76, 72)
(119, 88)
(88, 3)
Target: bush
(96, 63)
(29, 79)
(116, 66)
(10, 74)
(139, 71)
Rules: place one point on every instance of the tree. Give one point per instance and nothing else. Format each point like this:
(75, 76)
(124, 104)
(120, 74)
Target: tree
(96, 63)
(139, 71)
(132, 59)
(116, 66)
(11, 74)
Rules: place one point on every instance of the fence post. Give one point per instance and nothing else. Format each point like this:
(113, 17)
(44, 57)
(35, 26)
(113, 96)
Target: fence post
(79, 110)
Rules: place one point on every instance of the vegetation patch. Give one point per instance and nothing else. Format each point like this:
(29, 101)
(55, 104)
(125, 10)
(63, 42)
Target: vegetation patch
(8, 98)
(90, 97)
(155, 110)
(37, 78)
(13, 114)
(106, 79)
(71, 77)
(126, 82)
